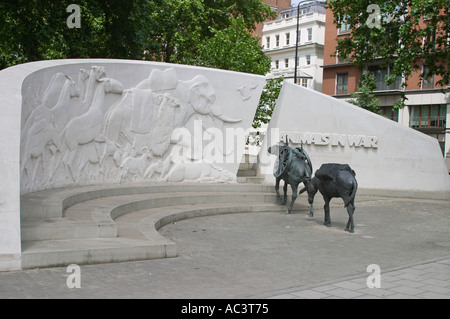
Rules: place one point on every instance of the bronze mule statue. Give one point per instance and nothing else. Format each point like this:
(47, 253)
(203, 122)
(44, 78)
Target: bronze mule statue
(293, 167)
(334, 180)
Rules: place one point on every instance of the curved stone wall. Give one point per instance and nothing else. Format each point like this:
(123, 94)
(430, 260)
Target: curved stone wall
(81, 122)
(109, 121)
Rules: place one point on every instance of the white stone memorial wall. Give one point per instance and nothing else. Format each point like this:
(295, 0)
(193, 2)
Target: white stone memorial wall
(82, 122)
(126, 122)
(388, 158)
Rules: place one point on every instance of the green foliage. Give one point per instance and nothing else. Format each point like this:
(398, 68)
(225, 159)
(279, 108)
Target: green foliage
(159, 30)
(233, 48)
(398, 37)
(33, 30)
(266, 106)
(268, 100)
(363, 98)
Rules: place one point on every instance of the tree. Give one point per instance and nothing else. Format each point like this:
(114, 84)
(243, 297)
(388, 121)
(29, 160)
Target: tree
(33, 30)
(364, 98)
(159, 30)
(182, 25)
(266, 106)
(235, 49)
(396, 34)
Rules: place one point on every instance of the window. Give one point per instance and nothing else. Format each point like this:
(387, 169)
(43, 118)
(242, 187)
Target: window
(428, 116)
(429, 41)
(340, 60)
(431, 120)
(277, 64)
(277, 41)
(309, 34)
(308, 60)
(341, 83)
(304, 82)
(345, 28)
(268, 42)
(286, 63)
(380, 79)
(288, 38)
(427, 82)
(299, 36)
(390, 114)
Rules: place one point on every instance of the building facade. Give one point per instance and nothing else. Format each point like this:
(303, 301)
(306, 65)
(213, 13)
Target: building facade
(279, 40)
(427, 107)
(275, 5)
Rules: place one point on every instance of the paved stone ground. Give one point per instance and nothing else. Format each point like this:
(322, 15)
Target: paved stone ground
(274, 255)
(426, 280)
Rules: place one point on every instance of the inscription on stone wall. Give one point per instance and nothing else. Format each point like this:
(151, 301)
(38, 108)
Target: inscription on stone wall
(336, 140)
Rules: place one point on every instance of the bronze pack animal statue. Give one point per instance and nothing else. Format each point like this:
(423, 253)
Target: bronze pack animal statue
(334, 180)
(293, 167)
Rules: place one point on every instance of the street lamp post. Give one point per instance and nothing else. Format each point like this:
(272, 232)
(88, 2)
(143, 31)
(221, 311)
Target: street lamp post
(296, 44)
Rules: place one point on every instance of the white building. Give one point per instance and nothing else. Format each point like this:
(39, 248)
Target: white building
(279, 41)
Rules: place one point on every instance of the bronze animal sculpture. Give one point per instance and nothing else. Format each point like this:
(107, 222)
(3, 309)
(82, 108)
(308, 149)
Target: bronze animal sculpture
(334, 180)
(293, 167)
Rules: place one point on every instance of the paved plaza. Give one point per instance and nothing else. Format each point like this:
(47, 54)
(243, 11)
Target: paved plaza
(274, 255)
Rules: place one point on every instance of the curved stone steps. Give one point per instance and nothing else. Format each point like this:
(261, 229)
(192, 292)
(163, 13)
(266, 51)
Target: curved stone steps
(100, 224)
(95, 218)
(146, 223)
(51, 253)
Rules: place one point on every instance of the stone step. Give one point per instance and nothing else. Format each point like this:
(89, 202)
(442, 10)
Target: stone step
(52, 203)
(247, 165)
(148, 222)
(52, 253)
(256, 180)
(99, 224)
(95, 218)
(246, 172)
(138, 237)
(65, 228)
(251, 180)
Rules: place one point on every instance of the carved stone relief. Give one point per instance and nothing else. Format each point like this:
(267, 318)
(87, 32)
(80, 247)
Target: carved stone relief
(74, 136)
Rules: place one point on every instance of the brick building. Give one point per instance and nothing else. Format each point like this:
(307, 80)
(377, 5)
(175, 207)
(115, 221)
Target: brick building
(276, 5)
(427, 108)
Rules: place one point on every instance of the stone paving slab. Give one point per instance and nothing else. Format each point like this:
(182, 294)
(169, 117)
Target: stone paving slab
(426, 280)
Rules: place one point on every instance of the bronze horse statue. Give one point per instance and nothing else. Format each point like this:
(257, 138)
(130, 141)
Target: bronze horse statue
(293, 167)
(334, 180)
